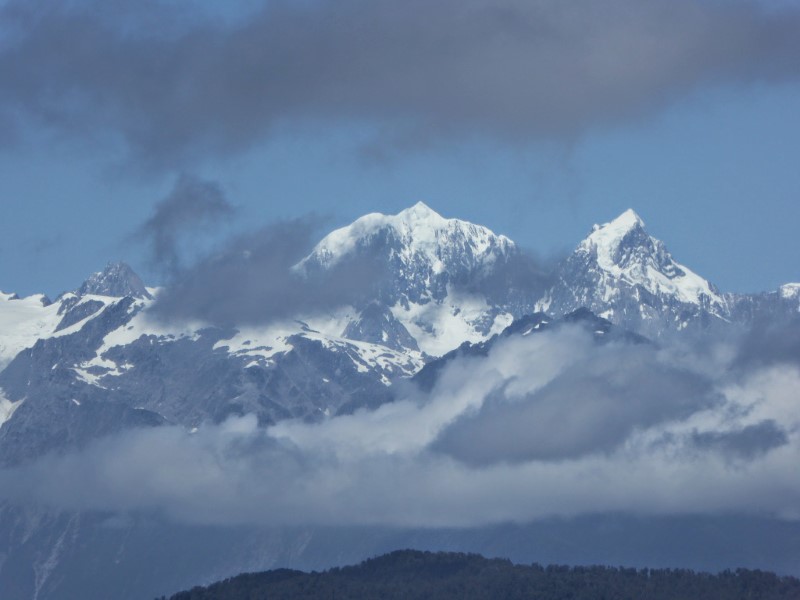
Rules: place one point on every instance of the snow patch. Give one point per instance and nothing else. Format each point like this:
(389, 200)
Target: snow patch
(440, 327)
(87, 377)
(263, 342)
(7, 408)
(790, 291)
(23, 321)
(141, 324)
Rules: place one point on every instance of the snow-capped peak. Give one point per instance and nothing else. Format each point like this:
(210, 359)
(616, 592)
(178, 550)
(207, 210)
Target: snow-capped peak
(789, 291)
(629, 277)
(627, 253)
(607, 238)
(420, 213)
(419, 229)
(116, 280)
(628, 220)
(423, 261)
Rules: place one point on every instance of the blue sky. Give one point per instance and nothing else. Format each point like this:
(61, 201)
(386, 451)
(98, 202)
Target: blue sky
(707, 156)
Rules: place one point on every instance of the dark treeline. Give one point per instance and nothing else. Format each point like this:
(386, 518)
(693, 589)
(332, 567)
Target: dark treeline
(409, 574)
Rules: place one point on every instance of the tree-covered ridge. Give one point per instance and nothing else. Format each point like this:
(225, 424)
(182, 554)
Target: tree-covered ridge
(410, 574)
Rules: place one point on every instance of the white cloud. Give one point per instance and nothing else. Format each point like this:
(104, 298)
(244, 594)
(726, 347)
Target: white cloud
(727, 445)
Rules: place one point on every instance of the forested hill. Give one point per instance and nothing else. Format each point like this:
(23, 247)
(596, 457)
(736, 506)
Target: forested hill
(408, 574)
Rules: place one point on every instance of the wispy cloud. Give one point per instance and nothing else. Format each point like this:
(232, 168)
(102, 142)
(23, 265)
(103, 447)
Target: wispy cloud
(193, 204)
(252, 278)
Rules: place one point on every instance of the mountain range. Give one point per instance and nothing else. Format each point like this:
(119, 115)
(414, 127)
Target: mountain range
(101, 359)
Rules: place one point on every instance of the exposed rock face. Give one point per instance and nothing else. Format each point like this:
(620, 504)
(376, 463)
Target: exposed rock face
(117, 280)
(376, 324)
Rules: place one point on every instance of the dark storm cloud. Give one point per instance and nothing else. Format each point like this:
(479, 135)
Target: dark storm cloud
(192, 204)
(176, 86)
(253, 279)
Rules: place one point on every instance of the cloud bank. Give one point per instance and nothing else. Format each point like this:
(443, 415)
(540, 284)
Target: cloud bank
(549, 424)
(175, 85)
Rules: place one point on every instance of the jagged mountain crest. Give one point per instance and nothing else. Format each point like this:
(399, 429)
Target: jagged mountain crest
(621, 272)
(117, 280)
(423, 250)
(623, 249)
(421, 229)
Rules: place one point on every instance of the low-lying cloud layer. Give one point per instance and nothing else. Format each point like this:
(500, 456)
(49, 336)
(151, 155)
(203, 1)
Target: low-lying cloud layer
(176, 88)
(549, 424)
